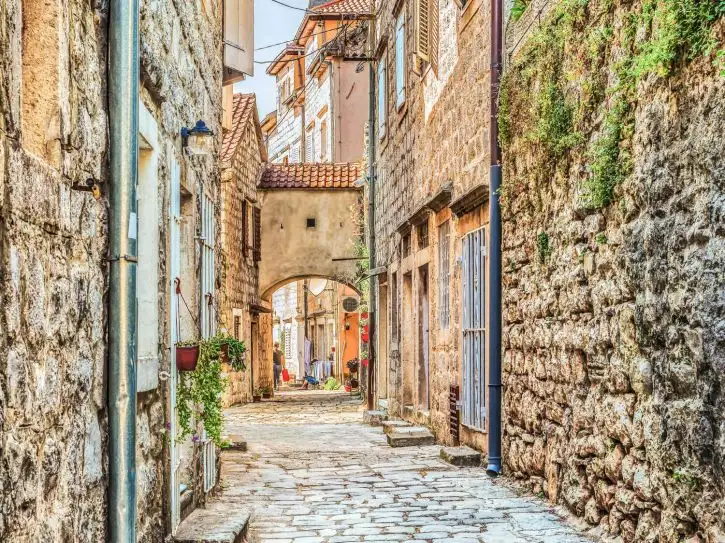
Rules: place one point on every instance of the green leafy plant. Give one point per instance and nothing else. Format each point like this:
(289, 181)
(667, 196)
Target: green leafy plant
(600, 238)
(518, 9)
(542, 247)
(199, 392)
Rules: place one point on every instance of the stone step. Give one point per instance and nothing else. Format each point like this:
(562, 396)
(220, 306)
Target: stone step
(461, 456)
(216, 524)
(389, 425)
(374, 418)
(410, 436)
(236, 443)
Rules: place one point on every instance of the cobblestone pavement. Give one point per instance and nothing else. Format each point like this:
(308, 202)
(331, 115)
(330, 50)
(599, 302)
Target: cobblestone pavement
(315, 473)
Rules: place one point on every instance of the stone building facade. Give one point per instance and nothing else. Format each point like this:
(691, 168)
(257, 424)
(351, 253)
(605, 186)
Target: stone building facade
(243, 158)
(53, 257)
(431, 138)
(322, 93)
(613, 284)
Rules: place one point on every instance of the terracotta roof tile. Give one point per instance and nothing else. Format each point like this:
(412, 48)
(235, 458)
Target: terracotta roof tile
(242, 109)
(310, 175)
(347, 7)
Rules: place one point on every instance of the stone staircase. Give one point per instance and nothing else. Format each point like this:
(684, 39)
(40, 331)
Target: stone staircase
(218, 523)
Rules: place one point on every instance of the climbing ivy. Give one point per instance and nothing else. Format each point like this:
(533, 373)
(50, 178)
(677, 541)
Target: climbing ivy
(558, 98)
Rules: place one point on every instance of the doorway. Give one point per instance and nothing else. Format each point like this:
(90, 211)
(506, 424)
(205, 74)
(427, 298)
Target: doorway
(423, 340)
(407, 341)
(382, 340)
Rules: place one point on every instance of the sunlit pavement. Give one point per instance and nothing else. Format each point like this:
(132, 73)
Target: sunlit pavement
(313, 472)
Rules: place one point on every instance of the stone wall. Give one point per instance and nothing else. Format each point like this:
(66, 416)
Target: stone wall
(613, 258)
(53, 426)
(53, 269)
(240, 276)
(438, 140)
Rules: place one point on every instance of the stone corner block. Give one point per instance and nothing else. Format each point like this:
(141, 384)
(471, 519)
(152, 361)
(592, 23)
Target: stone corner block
(374, 418)
(413, 436)
(463, 457)
(215, 524)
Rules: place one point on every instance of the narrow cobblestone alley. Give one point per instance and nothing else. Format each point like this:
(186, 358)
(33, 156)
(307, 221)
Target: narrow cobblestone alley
(314, 473)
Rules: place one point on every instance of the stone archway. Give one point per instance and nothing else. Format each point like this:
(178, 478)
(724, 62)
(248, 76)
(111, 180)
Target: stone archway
(311, 217)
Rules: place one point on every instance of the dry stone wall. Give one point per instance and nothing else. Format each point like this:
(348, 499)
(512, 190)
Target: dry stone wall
(614, 248)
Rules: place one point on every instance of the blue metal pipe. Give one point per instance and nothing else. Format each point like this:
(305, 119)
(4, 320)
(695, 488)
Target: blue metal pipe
(494, 259)
(123, 97)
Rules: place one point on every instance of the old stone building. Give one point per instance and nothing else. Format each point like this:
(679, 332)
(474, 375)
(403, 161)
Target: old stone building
(54, 231)
(431, 161)
(613, 259)
(322, 92)
(243, 158)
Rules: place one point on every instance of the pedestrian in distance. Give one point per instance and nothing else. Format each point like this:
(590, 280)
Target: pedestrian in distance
(278, 360)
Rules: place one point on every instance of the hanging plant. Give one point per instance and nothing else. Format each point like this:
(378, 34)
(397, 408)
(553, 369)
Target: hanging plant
(200, 391)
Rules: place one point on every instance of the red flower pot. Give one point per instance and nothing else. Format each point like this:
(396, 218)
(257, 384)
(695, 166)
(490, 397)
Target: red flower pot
(186, 357)
(348, 388)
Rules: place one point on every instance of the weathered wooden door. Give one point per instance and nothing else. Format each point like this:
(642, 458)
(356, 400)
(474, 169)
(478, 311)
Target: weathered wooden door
(474, 332)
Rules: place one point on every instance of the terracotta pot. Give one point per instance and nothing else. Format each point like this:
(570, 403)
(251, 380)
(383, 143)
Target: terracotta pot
(256, 399)
(186, 357)
(267, 395)
(354, 383)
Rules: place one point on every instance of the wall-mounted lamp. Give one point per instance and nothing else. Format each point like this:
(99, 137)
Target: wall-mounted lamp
(199, 140)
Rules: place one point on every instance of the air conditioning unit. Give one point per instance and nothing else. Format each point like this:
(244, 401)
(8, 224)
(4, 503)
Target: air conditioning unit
(350, 304)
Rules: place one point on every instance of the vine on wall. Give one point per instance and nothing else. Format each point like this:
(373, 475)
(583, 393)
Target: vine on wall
(583, 65)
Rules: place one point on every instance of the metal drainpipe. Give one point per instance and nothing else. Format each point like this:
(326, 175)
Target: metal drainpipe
(494, 260)
(123, 96)
(371, 222)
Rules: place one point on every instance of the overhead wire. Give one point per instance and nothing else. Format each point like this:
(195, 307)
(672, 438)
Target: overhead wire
(305, 10)
(343, 28)
(290, 41)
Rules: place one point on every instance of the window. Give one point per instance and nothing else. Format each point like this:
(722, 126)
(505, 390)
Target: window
(323, 141)
(400, 60)
(426, 32)
(237, 326)
(310, 145)
(394, 308)
(406, 245)
(422, 232)
(245, 228)
(382, 96)
(294, 154)
(444, 311)
(257, 234)
(311, 222)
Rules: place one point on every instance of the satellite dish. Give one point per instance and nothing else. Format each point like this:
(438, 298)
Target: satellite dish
(350, 304)
(317, 285)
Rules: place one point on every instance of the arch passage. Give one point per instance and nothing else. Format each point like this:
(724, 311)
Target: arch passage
(309, 233)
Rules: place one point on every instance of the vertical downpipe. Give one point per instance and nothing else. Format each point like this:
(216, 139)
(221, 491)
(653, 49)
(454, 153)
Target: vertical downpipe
(371, 222)
(123, 96)
(494, 259)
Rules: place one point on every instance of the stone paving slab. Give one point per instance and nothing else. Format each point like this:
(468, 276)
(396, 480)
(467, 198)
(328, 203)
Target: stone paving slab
(461, 456)
(314, 473)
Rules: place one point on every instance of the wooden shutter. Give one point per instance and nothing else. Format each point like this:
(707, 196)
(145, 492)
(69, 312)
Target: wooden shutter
(257, 234)
(245, 228)
(238, 39)
(433, 37)
(422, 28)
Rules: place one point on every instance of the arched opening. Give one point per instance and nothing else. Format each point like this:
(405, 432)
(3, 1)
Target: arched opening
(317, 326)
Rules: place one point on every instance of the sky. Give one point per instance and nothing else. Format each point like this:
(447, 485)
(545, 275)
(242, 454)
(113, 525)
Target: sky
(272, 23)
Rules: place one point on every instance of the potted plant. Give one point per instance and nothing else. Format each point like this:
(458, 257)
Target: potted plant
(187, 355)
(348, 385)
(199, 393)
(229, 350)
(257, 395)
(267, 392)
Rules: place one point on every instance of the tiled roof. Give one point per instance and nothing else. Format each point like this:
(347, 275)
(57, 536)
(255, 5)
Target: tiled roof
(347, 7)
(310, 175)
(243, 107)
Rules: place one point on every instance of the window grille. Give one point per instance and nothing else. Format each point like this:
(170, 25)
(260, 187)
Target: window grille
(422, 231)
